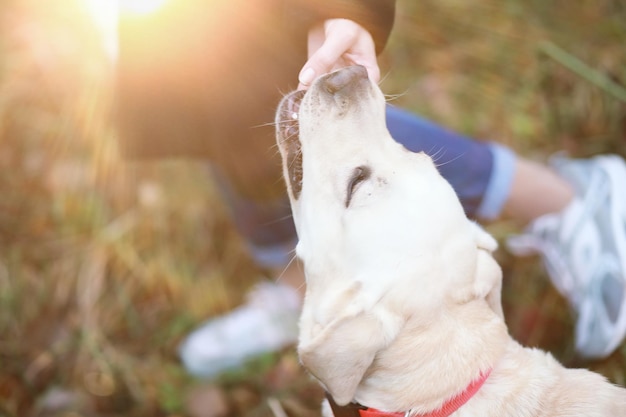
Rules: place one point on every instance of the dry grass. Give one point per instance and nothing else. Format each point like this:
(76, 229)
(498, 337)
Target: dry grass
(104, 266)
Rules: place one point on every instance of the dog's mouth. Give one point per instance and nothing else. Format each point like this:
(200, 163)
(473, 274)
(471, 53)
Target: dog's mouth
(340, 91)
(289, 139)
(288, 114)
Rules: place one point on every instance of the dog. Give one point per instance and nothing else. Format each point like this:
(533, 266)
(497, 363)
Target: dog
(402, 312)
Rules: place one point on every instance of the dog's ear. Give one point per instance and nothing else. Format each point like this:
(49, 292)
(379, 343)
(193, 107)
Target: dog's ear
(483, 239)
(488, 284)
(340, 354)
(488, 281)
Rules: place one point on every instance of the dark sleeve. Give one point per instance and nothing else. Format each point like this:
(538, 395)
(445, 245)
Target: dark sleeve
(377, 16)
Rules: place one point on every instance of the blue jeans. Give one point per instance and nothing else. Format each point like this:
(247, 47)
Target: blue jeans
(480, 172)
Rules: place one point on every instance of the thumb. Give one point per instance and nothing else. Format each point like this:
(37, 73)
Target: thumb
(321, 62)
(306, 77)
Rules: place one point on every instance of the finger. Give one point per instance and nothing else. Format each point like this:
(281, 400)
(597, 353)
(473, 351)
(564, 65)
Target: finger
(338, 65)
(324, 59)
(373, 70)
(316, 39)
(363, 52)
(367, 58)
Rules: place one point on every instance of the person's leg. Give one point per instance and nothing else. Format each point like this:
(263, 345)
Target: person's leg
(268, 320)
(536, 190)
(490, 180)
(481, 172)
(574, 213)
(268, 231)
(583, 245)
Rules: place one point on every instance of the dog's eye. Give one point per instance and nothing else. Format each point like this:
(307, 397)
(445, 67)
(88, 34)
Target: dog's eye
(359, 175)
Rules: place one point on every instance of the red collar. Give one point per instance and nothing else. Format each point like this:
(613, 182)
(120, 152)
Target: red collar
(449, 407)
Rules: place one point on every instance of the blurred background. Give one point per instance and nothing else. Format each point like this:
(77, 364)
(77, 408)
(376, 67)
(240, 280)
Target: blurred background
(105, 265)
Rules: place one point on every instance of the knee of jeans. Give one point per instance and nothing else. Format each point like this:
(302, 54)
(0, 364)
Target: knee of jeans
(268, 231)
(272, 256)
(266, 226)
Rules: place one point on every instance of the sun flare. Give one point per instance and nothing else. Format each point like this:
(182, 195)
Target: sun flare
(105, 14)
(140, 7)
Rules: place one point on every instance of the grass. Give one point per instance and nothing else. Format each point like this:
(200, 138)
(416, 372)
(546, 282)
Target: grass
(105, 266)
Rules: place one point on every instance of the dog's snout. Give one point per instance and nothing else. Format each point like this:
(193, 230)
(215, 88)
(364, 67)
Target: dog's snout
(345, 77)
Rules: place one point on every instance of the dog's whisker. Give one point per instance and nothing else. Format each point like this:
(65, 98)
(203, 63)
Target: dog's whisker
(288, 216)
(276, 123)
(436, 155)
(293, 118)
(295, 159)
(383, 78)
(277, 220)
(285, 121)
(282, 274)
(268, 124)
(440, 164)
(275, 148)
(392, 97)
(293, 259)
(278, 180)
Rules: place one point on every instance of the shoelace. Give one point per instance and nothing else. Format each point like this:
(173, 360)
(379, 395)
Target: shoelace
(570, 285)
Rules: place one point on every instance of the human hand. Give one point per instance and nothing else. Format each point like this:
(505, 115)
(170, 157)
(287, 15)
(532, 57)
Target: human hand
(337, 43)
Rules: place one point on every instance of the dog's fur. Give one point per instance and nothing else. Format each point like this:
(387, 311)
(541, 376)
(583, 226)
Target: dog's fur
(402, 308)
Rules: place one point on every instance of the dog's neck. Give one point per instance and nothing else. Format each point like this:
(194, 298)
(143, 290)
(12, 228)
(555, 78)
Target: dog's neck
(449, 407)
(445, 348)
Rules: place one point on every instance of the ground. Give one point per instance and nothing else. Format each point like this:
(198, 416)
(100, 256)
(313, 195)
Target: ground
(105, 266)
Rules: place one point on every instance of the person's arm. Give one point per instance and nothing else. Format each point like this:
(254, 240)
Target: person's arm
(375, 16)
(345, 32)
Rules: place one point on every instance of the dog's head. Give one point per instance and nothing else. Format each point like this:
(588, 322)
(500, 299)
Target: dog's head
(382, 235)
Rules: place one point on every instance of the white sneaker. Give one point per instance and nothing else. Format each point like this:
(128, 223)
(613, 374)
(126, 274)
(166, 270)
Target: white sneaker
(584, 250)
(267, 322)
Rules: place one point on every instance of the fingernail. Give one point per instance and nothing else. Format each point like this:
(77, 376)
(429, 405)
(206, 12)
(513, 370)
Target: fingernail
(306, 77)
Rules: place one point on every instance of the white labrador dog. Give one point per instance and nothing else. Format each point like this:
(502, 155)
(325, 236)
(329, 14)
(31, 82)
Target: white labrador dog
(402, 312)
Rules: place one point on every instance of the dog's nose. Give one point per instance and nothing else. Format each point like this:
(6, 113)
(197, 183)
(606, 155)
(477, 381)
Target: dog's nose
(345, 77)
